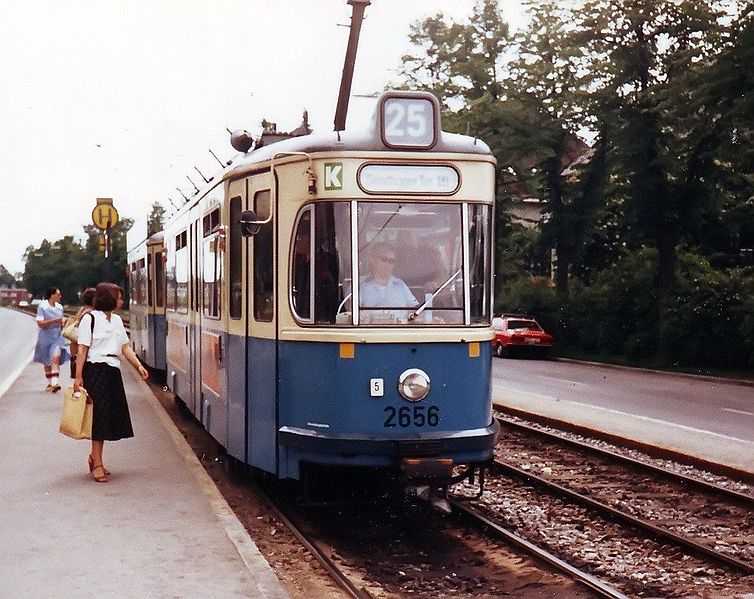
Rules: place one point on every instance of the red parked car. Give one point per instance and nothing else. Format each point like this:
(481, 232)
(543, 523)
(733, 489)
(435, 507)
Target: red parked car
(520, 333)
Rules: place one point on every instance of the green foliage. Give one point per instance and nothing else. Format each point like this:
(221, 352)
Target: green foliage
(652, 226)
(156, 219)
(73, 267)
(6, 278)
(708, 321)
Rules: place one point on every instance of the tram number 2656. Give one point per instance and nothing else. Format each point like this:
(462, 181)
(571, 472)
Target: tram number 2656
(412, 415)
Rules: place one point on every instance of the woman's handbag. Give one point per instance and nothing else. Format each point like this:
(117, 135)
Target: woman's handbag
(76, 421)
(71, 330)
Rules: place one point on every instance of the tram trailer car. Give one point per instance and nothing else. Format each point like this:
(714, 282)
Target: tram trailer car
(146, 280)
(288, 363)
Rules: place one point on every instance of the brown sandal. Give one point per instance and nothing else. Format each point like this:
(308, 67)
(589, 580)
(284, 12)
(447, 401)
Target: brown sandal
(91, 466)
(102, 478)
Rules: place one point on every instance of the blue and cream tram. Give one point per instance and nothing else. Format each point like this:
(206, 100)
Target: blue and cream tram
(146, 277)
(286, 338)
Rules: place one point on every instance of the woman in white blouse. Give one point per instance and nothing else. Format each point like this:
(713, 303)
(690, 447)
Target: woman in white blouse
(102, 339)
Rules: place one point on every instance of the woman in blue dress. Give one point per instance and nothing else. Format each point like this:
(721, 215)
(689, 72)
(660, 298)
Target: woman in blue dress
(51, 350)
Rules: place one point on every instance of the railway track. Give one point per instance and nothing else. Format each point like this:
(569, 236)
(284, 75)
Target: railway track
(642, 529)
(580, 576)
(320, 551)
(414, 551)
(607, 482)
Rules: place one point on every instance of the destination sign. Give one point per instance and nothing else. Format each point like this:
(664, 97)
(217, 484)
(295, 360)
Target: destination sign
(399, 178)
(409, 119)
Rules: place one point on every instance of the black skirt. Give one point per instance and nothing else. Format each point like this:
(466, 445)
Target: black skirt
(110, 419)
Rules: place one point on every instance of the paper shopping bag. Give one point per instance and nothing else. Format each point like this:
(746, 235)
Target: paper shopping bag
(76, 421)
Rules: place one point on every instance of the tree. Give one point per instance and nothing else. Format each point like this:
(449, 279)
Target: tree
(118, 246)
(156, 219)
(636, 50)
(71, 266)
(6, 279)
(58, 264)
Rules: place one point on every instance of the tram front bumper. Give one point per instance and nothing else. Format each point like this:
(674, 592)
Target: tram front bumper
(476, 441)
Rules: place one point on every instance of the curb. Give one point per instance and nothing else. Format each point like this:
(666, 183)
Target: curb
(268, 584)
(685, 375)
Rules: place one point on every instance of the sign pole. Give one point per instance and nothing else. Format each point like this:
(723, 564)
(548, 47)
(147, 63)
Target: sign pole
(105, 216)
(107, 264)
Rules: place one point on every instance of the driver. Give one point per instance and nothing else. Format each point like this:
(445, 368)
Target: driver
(380, 289)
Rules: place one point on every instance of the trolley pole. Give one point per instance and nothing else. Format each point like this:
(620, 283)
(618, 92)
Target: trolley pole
(357, 16)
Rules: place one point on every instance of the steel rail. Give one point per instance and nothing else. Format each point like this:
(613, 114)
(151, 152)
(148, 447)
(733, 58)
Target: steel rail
(658, 531)
(579, 576)
(325, 560)
(739, 498)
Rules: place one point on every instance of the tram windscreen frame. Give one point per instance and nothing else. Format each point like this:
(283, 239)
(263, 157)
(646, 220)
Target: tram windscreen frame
(409, 259)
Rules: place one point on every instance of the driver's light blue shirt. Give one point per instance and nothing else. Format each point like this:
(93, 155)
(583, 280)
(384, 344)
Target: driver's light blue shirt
(394, 294)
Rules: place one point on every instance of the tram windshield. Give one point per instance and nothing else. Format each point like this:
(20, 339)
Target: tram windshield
(409, 264)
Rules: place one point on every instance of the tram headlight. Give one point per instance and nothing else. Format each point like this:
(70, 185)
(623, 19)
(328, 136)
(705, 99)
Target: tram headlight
(413, 384)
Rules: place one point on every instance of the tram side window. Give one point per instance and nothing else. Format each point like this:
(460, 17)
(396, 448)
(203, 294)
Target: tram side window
(132, 284)
(150, 300)
(263, 275)
(332, 259)
(480, 263)
(234, 307)
(171, 288)
(330, 277)
(302, 267)
(212, 277)
(181, 272)
(142, 282)
(159, 278)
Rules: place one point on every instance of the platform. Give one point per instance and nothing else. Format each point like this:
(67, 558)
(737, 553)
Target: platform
(159, 528)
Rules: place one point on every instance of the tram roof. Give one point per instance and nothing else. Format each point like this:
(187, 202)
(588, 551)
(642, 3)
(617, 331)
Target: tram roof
(354, 141)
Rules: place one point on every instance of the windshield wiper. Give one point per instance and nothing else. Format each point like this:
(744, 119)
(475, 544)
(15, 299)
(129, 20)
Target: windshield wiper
(421, 308)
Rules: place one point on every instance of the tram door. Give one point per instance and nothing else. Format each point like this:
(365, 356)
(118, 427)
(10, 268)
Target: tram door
(234, 358)
(262, 332)
(195, 314)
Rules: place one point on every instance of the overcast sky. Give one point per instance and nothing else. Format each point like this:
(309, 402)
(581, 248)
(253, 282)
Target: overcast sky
(123, 99)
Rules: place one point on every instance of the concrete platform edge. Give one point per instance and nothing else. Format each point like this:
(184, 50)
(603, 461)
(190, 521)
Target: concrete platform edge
(268, 584)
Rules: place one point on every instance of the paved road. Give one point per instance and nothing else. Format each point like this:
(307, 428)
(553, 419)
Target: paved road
(716, 406)
(18, 334)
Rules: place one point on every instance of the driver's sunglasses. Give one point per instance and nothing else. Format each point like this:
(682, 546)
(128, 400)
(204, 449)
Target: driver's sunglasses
(387, 259)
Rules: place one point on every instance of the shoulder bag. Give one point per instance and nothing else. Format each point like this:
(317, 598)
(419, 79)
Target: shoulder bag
(71, 329)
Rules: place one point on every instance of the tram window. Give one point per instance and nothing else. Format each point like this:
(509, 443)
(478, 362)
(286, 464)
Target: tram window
(171, 288)
(181, 280)
(328, 282)
(212, 277)
(132, 284)
(480, 263)
(235, 283)
(263, 252)
(332, 259)
(410, 254)
(159, 278)
(301, 271)
(211, 221)
(143, 282)
(150, 300)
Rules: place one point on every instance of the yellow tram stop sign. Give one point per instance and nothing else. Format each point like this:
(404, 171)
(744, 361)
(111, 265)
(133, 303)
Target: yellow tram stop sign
(104, 214)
